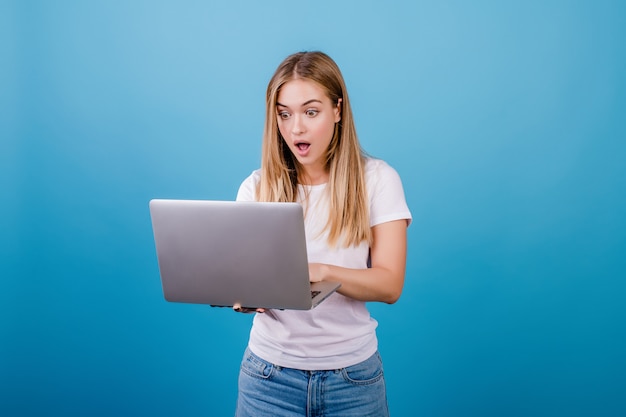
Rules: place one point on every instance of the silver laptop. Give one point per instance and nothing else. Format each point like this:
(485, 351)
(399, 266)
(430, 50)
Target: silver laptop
(226, 252)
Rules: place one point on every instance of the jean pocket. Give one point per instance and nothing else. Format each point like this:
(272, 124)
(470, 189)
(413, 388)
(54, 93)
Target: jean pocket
(367, 372)
(256, 367)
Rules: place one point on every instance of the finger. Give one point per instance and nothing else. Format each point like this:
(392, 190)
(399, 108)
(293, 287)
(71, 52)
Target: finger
(239, 309)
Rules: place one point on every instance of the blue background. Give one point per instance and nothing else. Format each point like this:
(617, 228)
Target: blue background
(504, 119)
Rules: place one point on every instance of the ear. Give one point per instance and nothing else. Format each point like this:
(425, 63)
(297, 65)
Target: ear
(338, 111)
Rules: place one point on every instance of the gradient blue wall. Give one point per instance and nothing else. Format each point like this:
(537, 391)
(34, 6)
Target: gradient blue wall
(504, 119)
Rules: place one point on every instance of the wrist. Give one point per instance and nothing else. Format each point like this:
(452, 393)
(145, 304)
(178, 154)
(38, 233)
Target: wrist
(326, 272)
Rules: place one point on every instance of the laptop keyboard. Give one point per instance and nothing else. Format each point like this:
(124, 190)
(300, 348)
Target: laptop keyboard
(314, 293)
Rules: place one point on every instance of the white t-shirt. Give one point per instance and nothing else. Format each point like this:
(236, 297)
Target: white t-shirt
(339, 332)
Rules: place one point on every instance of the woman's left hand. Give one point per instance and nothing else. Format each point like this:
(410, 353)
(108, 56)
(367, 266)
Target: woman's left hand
(383, 280)
(317, 272)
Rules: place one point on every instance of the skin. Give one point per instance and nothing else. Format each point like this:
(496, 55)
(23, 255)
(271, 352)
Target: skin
(306, 115)
(385, 279)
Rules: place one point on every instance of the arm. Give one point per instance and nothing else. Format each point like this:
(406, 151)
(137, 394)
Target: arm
(385, 279)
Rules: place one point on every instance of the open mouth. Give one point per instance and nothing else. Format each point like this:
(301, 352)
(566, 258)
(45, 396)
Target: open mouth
(302, 146)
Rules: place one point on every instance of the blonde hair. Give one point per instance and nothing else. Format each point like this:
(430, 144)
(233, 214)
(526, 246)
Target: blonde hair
(348, 217)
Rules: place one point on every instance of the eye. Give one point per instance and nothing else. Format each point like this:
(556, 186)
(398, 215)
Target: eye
(283, 115)
(312, 112)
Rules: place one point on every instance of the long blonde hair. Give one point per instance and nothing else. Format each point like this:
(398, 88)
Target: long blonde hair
(348, 217)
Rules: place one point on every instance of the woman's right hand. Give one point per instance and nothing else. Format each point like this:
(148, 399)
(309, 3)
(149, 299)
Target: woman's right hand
(239, 309)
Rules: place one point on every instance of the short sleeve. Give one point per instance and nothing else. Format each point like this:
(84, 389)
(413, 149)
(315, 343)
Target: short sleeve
(247, 189)
(386, 194)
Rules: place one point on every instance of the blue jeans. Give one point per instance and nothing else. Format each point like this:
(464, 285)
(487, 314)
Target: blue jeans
(267, 390)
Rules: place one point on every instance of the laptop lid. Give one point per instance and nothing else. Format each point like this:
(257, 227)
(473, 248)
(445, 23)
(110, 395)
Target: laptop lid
(226, 252)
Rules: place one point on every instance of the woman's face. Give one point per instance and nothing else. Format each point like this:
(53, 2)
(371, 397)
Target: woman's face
(306, 120)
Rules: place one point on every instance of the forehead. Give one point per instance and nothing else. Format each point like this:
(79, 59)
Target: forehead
(299, 91)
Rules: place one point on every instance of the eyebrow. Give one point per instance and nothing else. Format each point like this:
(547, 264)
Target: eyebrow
(306, 103)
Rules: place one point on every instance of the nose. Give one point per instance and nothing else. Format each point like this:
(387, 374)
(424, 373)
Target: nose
(298, 128)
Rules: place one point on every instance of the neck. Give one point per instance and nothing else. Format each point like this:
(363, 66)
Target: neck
(313, 176)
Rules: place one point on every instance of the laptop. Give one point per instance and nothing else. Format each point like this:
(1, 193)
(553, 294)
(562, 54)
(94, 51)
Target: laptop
(226, 252)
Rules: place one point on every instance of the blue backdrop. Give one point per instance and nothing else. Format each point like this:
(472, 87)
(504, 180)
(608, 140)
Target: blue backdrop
(504, 119)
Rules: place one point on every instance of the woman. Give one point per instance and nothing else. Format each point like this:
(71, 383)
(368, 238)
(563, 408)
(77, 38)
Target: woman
(324, 361)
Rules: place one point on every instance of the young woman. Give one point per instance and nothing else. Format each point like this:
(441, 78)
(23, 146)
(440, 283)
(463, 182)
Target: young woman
(325, 361)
